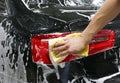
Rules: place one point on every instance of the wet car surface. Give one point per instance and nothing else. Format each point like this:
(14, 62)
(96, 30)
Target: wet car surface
(16, 65)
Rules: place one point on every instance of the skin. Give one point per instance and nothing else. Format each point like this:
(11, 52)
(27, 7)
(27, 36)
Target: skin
(109, 10)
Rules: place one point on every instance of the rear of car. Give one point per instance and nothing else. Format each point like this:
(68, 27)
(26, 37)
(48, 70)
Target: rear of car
(35, 19)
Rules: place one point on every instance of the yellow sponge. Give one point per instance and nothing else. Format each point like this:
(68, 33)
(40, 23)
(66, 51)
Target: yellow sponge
(53, 54)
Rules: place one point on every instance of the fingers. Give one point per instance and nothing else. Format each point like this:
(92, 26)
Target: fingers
(60, 47)
(63, 53)
(60, 44)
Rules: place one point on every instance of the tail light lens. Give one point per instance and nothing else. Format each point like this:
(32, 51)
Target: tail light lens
(102, 41)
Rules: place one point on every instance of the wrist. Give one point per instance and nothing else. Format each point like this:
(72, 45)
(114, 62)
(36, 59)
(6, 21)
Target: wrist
(87, 37)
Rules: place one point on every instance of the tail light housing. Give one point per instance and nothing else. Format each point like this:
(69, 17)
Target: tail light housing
(102, 41)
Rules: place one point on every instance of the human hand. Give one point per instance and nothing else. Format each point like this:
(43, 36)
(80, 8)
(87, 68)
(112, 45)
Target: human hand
(70, 45)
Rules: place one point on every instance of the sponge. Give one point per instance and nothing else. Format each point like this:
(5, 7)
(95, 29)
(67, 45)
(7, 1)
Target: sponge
(53, 54)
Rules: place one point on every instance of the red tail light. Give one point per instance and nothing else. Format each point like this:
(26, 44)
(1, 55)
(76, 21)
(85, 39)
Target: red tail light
(102, 41)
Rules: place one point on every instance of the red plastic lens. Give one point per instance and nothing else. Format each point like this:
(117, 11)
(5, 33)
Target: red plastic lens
(102, 41)
(39, 43)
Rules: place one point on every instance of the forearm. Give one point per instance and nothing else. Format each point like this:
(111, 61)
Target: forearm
(105, 14)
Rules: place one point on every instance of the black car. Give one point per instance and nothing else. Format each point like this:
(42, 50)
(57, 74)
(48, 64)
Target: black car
(23, 19)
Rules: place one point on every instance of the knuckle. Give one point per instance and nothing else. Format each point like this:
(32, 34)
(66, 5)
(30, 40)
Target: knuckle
(67, 46)
(58, 48)
(69, 51)
(62, 53)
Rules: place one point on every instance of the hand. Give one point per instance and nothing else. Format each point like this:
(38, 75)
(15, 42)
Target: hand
(71, 45)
